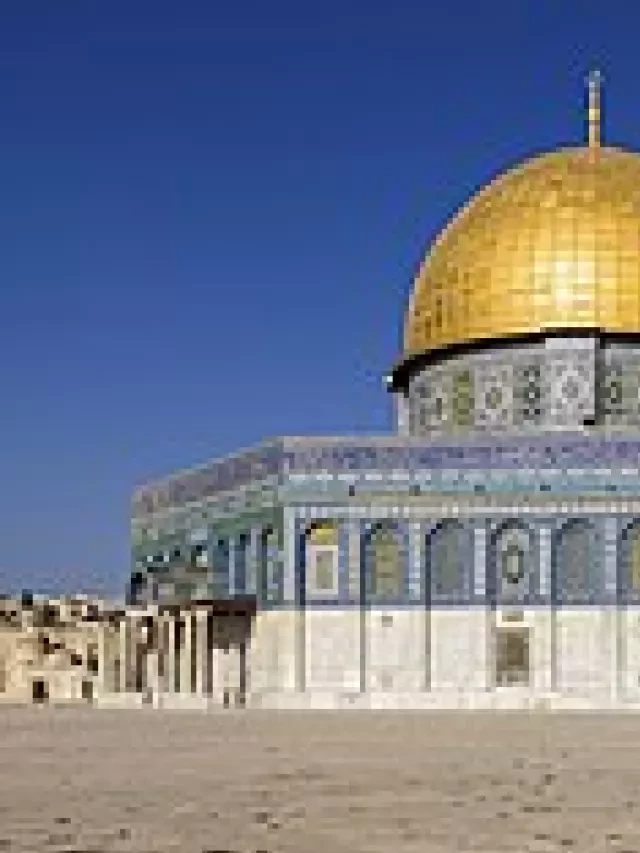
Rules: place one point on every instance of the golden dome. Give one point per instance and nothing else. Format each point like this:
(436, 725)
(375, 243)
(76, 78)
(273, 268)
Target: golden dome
(551, 244)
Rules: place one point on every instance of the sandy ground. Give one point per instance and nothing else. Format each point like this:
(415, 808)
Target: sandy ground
(82, 779)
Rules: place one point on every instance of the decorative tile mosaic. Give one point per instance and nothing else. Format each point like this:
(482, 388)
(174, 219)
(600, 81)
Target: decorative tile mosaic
(561, 384)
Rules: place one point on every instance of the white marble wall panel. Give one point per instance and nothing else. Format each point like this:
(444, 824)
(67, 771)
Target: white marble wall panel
(332, 647)
(541, 650)
(585, 649)
(395, 650)
(275, 651)
(629, 663)
(458, 643)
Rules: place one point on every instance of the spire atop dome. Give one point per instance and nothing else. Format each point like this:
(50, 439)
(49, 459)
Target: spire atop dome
(530, 250)
(593, 110)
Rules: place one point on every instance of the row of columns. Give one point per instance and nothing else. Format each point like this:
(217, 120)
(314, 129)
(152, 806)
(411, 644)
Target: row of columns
(181, 653)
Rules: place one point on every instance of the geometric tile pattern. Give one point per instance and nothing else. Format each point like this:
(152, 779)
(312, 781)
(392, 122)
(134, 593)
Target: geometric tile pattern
(494, 396)
(448, 564)
(577, 578)
(399, 465)
(571, 385)
(219, 529)
(512, 563)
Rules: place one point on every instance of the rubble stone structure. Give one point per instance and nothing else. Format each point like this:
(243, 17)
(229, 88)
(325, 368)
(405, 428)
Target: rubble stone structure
(82, 650)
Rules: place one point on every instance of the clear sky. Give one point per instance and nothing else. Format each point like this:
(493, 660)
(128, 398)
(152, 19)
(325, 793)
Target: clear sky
(210, 215)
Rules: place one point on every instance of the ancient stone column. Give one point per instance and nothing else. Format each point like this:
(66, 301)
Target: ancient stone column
(201, 651)
(171, 652)
(232, 675)
(218, 672)
(123, 637)
(162, 652)
(185, 654)
(103, 661)
(153, 678)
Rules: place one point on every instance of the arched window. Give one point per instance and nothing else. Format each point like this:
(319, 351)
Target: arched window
(322, 558)
(386, 563)
(575, 551)
(630, 552)
(446, 553)
(511, 561)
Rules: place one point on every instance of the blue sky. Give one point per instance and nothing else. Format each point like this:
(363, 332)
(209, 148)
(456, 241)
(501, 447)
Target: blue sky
(210, 215)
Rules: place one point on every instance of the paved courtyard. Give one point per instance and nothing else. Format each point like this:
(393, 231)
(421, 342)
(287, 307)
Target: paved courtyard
(90, 780)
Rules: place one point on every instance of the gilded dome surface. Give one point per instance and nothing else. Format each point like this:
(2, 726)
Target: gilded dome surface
(551, 244)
